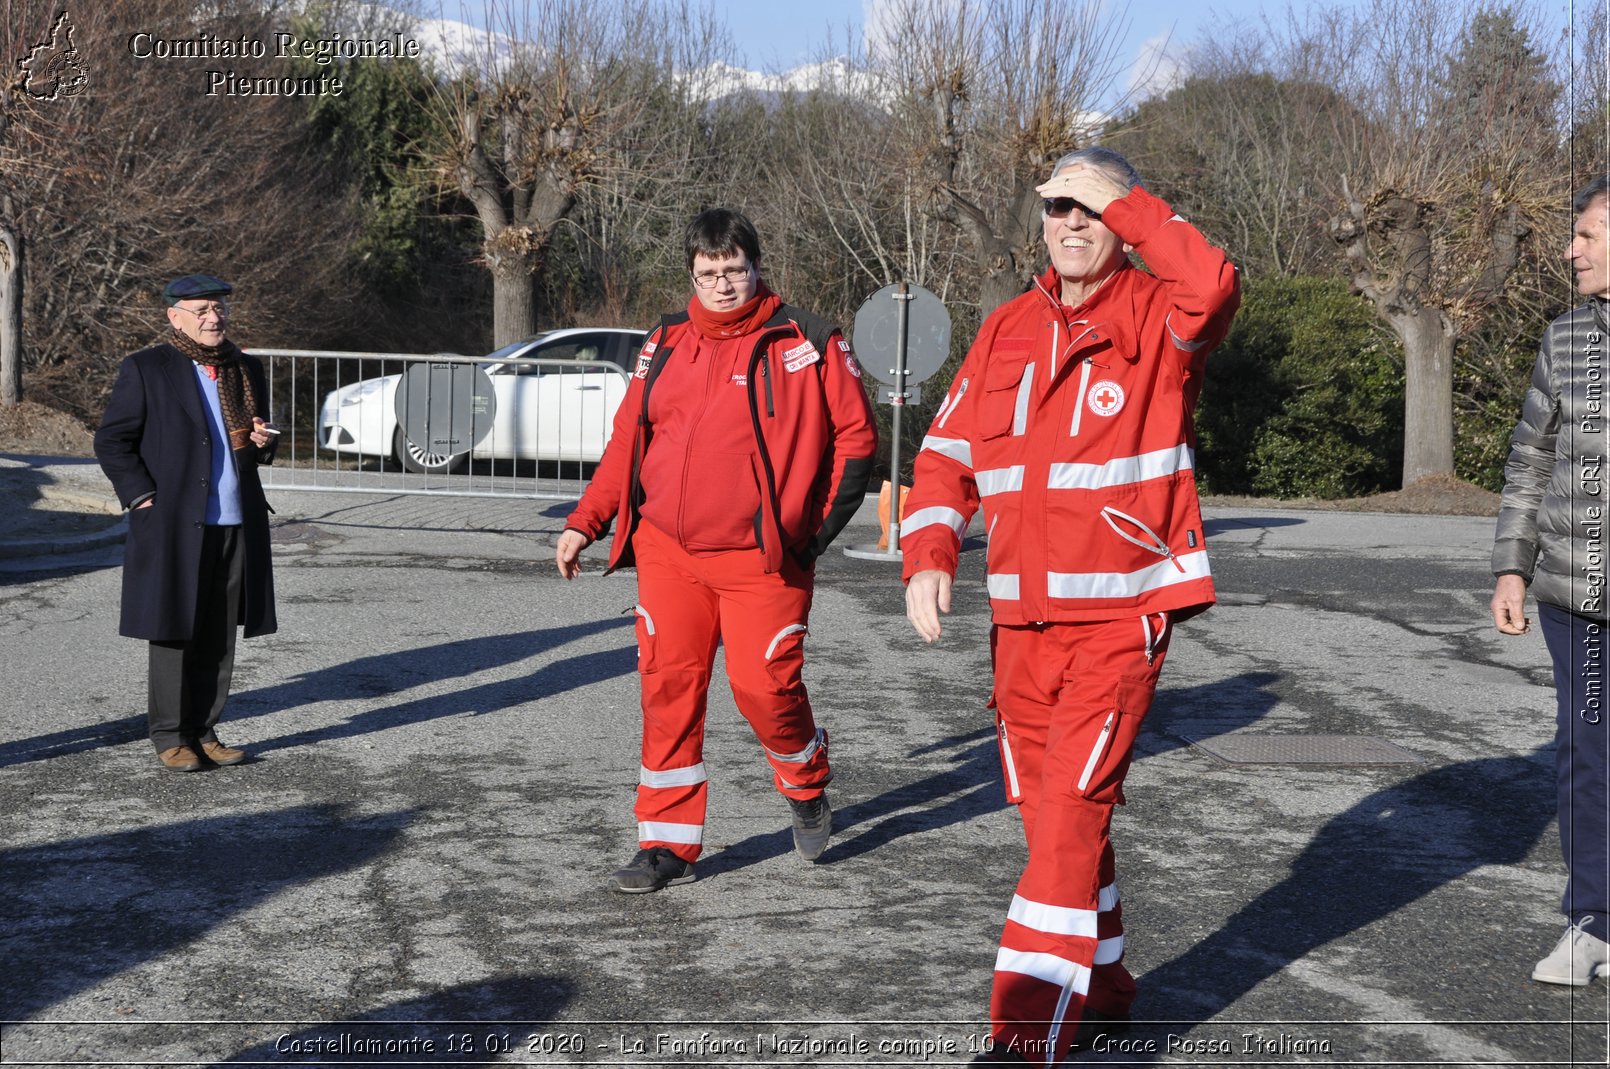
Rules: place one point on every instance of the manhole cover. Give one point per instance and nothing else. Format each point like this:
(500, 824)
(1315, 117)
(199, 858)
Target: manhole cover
(293, 531)
(1304, 750)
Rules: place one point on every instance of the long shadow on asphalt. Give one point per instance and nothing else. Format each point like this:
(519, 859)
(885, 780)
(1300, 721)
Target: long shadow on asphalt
(376, 676)
(454, 1020)
(1376, 858)
(1240, 523)
(81, 911)
(972, 786)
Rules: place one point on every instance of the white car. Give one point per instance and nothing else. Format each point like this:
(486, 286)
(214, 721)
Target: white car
(561, 409)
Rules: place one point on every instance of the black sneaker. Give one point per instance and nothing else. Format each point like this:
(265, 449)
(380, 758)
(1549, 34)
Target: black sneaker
(654, 867)
(813, 823)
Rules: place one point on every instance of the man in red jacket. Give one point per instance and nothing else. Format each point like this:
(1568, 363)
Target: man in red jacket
(1070, 424)
(742, 447)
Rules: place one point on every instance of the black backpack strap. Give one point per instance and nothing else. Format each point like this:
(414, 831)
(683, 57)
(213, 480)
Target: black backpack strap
(816, 329)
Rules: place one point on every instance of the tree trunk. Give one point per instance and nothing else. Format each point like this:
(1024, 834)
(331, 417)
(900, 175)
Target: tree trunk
(513, 288)
(997, 287)
(1427, 393)
(11, 264)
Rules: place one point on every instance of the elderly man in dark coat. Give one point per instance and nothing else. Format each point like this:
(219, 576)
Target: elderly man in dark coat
(185, 429)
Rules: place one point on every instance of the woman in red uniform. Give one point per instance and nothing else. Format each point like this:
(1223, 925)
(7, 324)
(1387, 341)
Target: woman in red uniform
(743, 446)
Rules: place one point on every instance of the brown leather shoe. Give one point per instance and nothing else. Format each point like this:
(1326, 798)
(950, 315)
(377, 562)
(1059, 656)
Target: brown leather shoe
(219, 754)
(179, 759)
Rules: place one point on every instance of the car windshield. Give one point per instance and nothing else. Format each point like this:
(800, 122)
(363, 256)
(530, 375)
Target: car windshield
(512, 348)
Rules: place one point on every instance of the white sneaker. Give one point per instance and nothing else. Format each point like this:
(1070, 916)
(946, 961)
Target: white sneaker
(1575, 959)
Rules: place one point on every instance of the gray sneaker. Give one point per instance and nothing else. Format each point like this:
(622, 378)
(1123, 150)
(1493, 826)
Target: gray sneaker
(654, 867)
(1575, 958)
(813, 823)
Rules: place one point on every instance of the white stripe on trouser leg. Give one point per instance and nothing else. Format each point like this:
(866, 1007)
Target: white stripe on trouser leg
(1072, 978)
(655, 831)
(802, 756)
(1053, 920)
(648, 621)
(1111, 949)
(784, 633)
(671, 777)
(1047, 967)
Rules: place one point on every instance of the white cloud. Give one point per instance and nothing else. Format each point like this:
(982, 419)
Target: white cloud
(1160, 65)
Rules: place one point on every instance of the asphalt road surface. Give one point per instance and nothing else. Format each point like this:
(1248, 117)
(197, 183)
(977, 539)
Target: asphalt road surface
(411, 869)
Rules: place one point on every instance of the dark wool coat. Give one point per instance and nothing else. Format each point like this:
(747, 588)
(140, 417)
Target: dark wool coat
(156, 438)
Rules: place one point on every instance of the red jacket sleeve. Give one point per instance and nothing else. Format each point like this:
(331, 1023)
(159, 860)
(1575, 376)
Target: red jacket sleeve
(1204, 288)
(601, 501)
(855, 441)
(943, 494)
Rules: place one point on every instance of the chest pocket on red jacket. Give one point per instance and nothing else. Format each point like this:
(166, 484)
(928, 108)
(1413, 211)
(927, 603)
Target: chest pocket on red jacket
(1003, 407)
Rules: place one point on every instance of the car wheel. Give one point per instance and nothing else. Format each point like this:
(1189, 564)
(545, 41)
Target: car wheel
(413, 458)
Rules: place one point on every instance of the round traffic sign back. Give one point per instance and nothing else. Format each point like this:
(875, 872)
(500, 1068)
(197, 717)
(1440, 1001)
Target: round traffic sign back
(877, 333)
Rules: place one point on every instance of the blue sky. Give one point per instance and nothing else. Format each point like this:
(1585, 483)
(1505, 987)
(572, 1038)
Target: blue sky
(776, 35)
(785, 34)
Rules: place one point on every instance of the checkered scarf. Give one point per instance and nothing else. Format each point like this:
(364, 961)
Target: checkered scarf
(235, 394)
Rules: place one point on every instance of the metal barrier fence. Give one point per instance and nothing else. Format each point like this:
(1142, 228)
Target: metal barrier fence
(341, 429)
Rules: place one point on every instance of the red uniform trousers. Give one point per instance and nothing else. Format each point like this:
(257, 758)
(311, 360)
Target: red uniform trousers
(1070, 699)
(686, 602)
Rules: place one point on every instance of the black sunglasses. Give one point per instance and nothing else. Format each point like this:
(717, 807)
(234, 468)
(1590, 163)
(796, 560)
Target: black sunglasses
(1064, 205)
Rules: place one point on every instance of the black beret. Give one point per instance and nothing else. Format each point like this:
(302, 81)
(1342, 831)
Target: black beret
(191, 287)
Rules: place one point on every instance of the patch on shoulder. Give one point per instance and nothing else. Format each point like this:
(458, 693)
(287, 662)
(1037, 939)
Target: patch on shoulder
(645, 360)
(800, 356)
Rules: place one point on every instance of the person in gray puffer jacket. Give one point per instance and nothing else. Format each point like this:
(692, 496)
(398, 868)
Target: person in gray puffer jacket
(1551, 536)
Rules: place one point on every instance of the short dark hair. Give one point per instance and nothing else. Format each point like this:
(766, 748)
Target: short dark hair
(719, 232)
(1599, 187)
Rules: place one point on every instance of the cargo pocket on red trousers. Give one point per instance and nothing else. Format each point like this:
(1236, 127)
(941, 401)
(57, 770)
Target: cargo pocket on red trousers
(645, 639)
(1101, 776)
(1014, 787)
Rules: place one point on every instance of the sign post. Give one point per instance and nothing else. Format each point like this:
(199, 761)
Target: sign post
(907, 327)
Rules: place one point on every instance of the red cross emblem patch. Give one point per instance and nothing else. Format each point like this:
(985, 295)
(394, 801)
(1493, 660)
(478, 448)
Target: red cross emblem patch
(1105, 398)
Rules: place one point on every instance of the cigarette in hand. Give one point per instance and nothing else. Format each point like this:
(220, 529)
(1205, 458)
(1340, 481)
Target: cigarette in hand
(266, 429)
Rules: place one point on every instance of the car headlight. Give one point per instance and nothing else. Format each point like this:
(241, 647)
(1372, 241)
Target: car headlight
(362, 391)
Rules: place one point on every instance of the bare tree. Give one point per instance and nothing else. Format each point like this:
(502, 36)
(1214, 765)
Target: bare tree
(547, 111)
(147, 177)
(43, 75)
(1236, 150)
(1589, 101)
(1444, 181)
(984, 98)
(1457, 171)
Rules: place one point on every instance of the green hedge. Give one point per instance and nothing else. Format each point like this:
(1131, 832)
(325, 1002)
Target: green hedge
(1304, 398)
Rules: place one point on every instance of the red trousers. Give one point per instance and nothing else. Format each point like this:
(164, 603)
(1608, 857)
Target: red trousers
(686, 603)
(1069, 699)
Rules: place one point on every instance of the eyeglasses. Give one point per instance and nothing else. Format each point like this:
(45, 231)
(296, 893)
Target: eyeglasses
(1058, 206)
(216, 308)
(707, 279)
